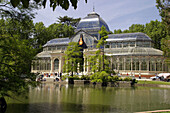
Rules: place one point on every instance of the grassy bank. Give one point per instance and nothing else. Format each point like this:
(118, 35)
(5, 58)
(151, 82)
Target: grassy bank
(154, 82)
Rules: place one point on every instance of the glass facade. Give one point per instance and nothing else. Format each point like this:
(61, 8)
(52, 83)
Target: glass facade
(42, 64)
(128, 52)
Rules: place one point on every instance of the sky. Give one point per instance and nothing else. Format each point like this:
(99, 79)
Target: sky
(118, 14)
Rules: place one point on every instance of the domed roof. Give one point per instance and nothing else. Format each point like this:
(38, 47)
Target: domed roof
(92, 22)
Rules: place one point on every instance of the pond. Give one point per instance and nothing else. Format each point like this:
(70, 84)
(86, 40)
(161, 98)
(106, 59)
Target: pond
(58, 98)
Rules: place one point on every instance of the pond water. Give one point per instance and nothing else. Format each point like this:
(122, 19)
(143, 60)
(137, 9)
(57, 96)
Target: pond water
(57, 98)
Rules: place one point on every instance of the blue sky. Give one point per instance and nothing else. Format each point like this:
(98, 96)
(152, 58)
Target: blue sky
(118, 14)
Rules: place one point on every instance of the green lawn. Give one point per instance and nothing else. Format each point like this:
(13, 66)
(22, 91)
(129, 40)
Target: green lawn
(154, 82)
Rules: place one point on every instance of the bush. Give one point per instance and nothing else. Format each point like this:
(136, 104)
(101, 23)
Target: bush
(100, 77)
(103, 76)
(75, 77)
(127, 79)
(115, 78)
(110, 78)
(99, 80)
(64, 77)
(85, 77)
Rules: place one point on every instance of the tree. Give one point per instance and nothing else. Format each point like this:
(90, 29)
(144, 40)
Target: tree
(16, 51)
(72, 57)
(117, 31)
(99, 57)
(59, 31)
(15, 66)
(53, 3)
(164, 9)
(136, 28)
(69, 21)
(156, 31)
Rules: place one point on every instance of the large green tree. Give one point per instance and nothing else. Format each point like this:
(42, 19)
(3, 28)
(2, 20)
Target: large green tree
(16, 51)
(59, 31)
(164, 9)
(156, 31)
(72, 58)
(99, 62)
(69, 21)
(16, 55)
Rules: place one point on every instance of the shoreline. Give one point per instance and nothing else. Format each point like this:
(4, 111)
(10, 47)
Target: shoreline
(116, 84)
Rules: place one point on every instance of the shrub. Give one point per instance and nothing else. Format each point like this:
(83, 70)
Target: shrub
(99, 80)
(103, 76)
(115, 78)
(110, 78)
(99, 77)
(127, 79)
(85, 77)
(64, 77)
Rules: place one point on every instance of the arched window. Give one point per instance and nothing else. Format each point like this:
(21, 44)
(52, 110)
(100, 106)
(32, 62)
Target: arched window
(56, 64)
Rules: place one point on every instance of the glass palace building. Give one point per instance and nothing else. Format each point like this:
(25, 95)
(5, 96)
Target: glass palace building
(129, 54)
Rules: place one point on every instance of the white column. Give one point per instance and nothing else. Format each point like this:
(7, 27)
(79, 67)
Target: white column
(140, 67)
(131, 66)
(124, 63)
(60, 64)
(84, 67)
(111, 62)
(87, 66)
(148, 64)
(52, 65)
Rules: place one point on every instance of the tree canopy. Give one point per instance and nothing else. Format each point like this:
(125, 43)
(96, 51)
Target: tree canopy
(69, 21)
(53, 3)
(72, 57)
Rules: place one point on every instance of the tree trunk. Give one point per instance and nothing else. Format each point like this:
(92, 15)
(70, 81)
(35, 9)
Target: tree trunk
(3, 105)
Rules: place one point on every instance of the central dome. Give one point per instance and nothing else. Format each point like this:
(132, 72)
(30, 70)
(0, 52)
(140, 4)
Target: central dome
(92, 23)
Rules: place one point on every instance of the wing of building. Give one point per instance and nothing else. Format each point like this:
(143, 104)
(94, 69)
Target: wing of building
(129, 54)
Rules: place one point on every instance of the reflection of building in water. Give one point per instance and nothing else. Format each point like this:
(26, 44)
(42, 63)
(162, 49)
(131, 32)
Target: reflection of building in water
(129, 53)
(48, 93)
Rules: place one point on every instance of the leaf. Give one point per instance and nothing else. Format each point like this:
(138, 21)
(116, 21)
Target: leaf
(14, 2)
(25, 3)
(37, 1)
(44, 3)
(74, 3)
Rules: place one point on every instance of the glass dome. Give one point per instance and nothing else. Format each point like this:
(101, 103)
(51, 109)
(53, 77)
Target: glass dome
(92, 24)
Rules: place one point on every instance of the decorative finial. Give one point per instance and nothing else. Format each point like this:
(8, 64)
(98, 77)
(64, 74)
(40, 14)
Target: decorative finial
(93, 7)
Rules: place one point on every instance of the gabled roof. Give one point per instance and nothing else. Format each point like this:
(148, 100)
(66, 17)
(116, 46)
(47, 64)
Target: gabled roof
(57, 41)
(95, 39)
(128, 37)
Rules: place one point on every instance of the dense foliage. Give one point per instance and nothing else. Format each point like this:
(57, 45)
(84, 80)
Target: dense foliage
(69, 21)
(98, 62)
(72, 58)
(43, 34)
(16, 50)
(53, 3)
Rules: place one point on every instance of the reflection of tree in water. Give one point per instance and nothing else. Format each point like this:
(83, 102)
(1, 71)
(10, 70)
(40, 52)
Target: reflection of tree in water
(55, 98)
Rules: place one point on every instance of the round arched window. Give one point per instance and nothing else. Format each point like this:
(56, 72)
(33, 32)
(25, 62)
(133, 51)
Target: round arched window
(56, 64)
